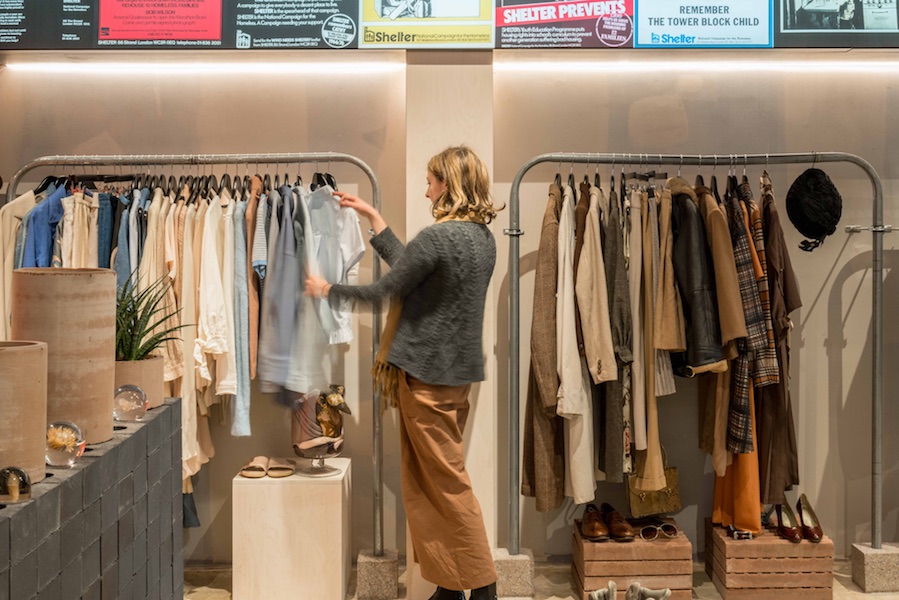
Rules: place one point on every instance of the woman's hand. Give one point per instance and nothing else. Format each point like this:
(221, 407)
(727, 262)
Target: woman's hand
(317, 287)
(364, 209)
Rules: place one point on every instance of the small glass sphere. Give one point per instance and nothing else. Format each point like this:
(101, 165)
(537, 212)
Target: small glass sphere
(130, 404)
(65, 444)
(15, 485)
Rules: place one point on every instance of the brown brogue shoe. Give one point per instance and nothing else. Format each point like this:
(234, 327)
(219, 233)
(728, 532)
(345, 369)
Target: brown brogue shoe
(619, 528)
(593, 525)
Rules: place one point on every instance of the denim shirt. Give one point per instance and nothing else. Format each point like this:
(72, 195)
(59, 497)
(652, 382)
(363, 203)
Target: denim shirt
(41, 227)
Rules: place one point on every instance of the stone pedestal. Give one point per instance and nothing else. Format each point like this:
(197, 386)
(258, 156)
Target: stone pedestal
(377, 577)
(876, 570)
(515, 573)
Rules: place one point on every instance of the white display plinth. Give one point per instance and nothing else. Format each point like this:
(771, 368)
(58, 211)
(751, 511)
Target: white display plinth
(291, 536)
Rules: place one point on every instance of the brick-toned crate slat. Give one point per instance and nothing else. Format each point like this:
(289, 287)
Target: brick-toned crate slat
(661, 549)
(685, 594)
(772, 593)
(768, 545)
(778, 565)
(628, 568)
(768, 566)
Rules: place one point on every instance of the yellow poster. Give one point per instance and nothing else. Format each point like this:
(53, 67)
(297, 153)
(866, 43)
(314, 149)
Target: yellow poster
(427, 24)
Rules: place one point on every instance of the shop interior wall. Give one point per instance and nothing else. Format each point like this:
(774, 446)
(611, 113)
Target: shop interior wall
(357, 112)
(559, 107)
(588, 102)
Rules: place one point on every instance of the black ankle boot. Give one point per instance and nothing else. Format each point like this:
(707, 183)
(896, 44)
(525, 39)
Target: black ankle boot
(488, 592)
(442, 594)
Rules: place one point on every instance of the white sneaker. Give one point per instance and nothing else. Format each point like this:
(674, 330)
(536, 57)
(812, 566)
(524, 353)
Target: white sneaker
(605, 593)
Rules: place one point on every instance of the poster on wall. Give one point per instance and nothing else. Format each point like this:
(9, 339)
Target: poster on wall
(160, 22)
(838, 23)
(147, 24)
(265, 24)
(839, 15)
(571, 24)
(417, 24)
(704, 24)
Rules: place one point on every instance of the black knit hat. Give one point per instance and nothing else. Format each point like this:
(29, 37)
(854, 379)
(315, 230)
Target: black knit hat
(814, 206)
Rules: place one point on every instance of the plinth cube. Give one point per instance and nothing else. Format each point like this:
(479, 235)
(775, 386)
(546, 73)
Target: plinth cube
(661, 563)
(291, 536)
(768, 567)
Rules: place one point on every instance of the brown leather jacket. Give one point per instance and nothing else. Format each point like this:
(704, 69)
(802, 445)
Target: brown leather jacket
(693, 270)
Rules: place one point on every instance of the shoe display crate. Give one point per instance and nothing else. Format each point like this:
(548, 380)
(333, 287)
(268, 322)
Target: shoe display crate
(768, 567)
(661, 563)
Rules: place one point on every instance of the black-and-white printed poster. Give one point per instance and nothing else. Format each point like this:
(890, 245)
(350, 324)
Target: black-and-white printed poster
(838, 24)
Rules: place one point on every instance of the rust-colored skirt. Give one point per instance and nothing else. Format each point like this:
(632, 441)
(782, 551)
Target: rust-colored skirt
(444, 517)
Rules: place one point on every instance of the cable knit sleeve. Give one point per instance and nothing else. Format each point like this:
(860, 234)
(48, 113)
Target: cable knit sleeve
(411, 266)
(388, 246)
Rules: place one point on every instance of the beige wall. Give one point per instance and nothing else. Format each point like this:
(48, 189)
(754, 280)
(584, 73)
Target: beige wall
(396, 120)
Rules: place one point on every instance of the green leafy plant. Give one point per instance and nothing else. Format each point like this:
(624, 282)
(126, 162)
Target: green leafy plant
(140, 316)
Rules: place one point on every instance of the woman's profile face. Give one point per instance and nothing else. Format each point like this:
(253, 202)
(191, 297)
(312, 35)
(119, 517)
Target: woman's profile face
(436, 188)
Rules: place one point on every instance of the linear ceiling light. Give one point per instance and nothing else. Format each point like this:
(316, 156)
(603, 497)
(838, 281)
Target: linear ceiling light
(207, 68)
(700, 66)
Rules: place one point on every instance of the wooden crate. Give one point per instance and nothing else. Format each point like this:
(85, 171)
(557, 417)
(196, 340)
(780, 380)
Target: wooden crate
(662, 563)
(768, 566)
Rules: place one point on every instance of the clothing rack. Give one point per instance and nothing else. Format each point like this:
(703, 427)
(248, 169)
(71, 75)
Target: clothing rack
(197, 160)
(877, 230)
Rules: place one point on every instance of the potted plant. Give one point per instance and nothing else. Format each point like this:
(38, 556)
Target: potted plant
(142, 326)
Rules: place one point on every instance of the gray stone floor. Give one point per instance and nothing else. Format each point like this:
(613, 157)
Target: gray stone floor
(553, 582)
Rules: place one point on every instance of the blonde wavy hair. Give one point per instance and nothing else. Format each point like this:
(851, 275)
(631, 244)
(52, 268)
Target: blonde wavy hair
(467, 185)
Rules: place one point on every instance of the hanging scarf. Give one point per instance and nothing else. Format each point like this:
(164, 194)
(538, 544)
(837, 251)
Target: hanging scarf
(387, 376)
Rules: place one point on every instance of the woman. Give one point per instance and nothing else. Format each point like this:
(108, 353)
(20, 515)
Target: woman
(430, 355)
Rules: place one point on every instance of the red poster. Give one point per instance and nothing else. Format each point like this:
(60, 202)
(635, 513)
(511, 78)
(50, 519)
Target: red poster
(150, 20)
(564, 24)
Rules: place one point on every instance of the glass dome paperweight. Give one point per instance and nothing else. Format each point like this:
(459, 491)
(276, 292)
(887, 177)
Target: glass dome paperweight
(317, 429)
(15, 485)
(129, 404)
(65, 444)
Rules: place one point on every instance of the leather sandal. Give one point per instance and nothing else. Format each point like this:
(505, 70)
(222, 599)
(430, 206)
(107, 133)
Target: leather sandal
(280, 467)
(256, 468)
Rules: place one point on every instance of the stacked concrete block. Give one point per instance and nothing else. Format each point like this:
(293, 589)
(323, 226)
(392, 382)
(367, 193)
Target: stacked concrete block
(108, 528)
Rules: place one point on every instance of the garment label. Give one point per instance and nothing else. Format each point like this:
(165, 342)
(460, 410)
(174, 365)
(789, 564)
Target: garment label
(704, 24)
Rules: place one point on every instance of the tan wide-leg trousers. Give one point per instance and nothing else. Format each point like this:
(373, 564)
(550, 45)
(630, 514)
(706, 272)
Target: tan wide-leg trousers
(444, 517)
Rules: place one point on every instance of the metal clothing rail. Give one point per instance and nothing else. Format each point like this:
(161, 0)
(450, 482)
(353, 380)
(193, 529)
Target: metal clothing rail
(877, 230)
(156, 160)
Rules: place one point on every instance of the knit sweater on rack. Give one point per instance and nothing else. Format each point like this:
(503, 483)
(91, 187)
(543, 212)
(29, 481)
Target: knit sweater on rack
(442, 277)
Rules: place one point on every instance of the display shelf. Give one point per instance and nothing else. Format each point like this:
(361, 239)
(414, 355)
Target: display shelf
(110, 527)
(768, 566)
(291, 535)
(661, 563)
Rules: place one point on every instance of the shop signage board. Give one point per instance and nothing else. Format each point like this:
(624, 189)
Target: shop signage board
(705, 24)
(573, 24)
(426, 24)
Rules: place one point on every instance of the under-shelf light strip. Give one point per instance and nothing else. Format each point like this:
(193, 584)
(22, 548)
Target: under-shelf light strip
(703, 66)
(206, 68)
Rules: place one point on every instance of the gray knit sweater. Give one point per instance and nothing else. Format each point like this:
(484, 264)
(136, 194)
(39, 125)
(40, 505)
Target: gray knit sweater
(442, 277)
